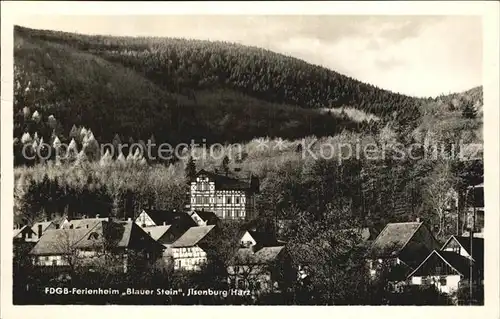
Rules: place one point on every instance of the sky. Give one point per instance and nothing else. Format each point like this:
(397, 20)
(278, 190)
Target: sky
(414, 55)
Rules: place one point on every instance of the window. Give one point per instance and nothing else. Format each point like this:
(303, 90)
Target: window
(426, 281)
(46, 258)
(237, 200)
(93, 236)
(442, 281)
(54, 262)
(228, 200)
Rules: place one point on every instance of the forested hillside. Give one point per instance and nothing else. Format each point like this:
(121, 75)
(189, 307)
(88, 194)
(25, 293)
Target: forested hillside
(179, 89)
(90, 90)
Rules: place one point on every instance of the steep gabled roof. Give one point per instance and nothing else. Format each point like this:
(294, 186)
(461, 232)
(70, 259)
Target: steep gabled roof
(120, 234)
(19, 231)
(192, 236)
(457, 262)
(393, 238)
(263, 238)
(464, 242)
(45, 225)
(209, 217)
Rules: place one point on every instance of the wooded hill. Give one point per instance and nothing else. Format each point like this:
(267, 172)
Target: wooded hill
(179, 89)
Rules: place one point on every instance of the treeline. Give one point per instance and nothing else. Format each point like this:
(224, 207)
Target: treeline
(371, 192)
(90, 189)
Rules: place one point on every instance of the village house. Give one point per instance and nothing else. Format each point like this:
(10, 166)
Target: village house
(82, 223)
(400, 247)
(450, 266)
(227, 195)
(468, 205)
(443, 269)
(41, 227)
(258, 263)
(470, 248)
(474, 210)
(188, 252)
(25, 234)
(204, 218)
(257, 269)
(155, 217)
(84, 246)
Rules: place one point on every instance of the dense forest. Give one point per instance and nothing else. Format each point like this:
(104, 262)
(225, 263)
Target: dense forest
(88, 90)
(181, 89)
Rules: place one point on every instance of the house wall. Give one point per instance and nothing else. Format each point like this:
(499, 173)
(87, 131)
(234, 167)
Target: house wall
(143, 220)
(247, 240)
(455, 247)
(59, 260)
(445, 284)
(226, 204)
(188, 258)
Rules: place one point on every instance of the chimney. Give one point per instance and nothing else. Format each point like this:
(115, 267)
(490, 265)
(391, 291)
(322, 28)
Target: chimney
(97, 216)
(418, 220)
(129, 219)
(39, 231)
(164, 223)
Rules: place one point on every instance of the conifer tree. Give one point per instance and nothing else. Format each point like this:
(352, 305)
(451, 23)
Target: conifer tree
(190, 170)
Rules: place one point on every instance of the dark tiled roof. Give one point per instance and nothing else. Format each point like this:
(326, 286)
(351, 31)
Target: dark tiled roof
(192, 236)
(18, 231)
(263, 238)
(45, 225)
(456, 261)
(207, 216)
(168, 217)
(477, 246)
(460, 263)
(229, 181)
(393, 239)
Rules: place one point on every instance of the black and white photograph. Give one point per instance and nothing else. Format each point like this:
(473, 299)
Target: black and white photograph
(249, 159)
